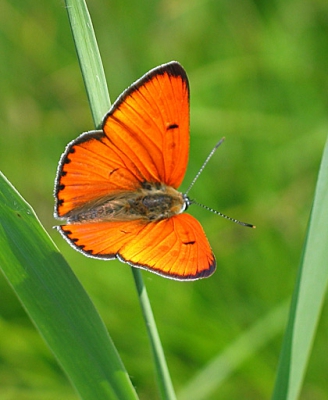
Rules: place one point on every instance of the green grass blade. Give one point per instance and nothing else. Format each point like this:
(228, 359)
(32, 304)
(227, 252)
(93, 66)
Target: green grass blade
(308, 295)
(89, 59)
(57, 303)
(89, 55)
(163, 375)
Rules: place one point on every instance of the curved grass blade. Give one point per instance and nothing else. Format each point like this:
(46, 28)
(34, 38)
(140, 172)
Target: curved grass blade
(57, 303)
(308, 296)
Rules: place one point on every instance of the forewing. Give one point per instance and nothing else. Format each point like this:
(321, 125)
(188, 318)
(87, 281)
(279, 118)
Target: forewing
(150, 123)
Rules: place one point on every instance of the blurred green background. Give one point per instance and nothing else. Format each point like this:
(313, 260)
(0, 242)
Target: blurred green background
(258, 76)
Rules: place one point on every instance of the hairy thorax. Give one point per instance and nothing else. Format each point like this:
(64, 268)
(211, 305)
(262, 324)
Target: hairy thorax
(151, 202)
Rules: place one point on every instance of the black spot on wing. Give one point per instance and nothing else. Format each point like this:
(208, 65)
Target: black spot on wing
(172, 126)
(113, 170)
(189, 243)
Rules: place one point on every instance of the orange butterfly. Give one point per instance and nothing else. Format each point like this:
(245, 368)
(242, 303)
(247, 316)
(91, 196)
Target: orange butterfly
(117, 187)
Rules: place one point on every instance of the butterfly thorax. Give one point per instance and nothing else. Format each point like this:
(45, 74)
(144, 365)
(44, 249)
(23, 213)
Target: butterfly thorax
(150, 202)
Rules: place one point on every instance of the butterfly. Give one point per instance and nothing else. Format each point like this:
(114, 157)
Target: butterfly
(116, 187)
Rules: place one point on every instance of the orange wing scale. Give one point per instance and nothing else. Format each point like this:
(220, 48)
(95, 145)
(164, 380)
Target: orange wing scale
(176, 247)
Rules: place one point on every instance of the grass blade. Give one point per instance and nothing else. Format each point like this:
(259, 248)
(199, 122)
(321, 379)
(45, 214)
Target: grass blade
(57, 303)
(89, 59)
(93, 75)
(308, 295)
(162, 372)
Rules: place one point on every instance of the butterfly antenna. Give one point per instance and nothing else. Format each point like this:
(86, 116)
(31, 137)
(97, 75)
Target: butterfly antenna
(204, 164)
(220, 214)
(189, 202)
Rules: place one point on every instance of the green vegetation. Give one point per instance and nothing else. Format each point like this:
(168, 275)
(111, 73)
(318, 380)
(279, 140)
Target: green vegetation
(258, 76)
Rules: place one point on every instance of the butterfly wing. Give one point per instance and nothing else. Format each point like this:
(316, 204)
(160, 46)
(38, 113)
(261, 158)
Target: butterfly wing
(150, 123)
(175, 247)
(145, 138)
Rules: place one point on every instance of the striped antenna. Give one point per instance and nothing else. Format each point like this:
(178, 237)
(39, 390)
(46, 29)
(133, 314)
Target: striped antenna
(204, 164)
(190, 202)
